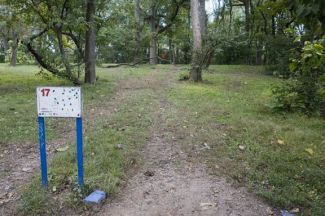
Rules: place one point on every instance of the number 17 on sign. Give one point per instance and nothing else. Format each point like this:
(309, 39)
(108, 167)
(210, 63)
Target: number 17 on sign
(65, 102)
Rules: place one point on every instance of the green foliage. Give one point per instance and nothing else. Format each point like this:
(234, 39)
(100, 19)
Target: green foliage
(287, 98)
(310, 13)
(304, 90)
(183, 75)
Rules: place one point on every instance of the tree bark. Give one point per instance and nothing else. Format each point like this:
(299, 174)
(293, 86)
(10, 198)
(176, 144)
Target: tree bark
(273, 26)
(137, 15)
(14, 49)
(153, 40)
(171, 52)
(198, 30)
(247, 14)
(90, 53)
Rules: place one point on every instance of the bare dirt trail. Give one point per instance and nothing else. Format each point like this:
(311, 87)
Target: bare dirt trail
(169, 183)
(20, 162)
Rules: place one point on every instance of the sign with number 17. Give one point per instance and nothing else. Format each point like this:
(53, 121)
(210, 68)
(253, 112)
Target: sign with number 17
(59, 102)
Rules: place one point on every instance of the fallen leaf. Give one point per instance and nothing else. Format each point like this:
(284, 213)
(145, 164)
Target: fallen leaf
(269, 211)
(310, 151)
(149, 173)
(206, 206)
(206, 146)
(280, 142)
(62, 149)
(3, 195)
(26, 169)
(118, 146)
(295, 210)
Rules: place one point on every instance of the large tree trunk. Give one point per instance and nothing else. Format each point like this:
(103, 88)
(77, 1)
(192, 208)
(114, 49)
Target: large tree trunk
(153, 42)
(247, 14)
(90, 54)
(137, 15)
(14, 49)
(198, 29)
(171, 52)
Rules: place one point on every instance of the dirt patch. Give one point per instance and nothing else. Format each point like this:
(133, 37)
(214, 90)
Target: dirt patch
(18, 164)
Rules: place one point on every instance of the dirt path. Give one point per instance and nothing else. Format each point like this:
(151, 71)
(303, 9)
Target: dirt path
(171, 184)
(19, 162)
(168, 183)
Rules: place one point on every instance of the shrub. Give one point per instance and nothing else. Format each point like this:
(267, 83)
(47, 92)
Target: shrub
(183, 75)
(304, 90)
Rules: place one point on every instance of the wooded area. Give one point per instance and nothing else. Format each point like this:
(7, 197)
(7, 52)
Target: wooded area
(191, 107)
(66, 36)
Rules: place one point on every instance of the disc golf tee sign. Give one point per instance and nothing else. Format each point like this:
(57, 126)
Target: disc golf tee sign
(64, 102)
(59, 102)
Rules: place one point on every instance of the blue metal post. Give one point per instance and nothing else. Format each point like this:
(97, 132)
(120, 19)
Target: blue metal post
(42, 148)
(80, 152)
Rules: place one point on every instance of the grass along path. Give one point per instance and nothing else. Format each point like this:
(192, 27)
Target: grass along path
(20, 159)
(188, 137)
(170, 181)
(279, 157)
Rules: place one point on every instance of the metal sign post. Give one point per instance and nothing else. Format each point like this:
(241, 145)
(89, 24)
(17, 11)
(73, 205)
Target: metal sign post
(63, 102)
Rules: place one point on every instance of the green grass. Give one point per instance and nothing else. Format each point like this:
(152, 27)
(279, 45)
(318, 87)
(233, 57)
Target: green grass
(232, 110)
(17, 98)
(228, 110)
(105, 165)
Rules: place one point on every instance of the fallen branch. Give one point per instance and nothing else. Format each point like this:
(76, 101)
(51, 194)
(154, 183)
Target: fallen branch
(135, 63)
(127, 64)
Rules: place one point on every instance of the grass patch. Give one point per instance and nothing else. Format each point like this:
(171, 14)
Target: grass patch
(105, 165)
(18, 99)
(231, 110)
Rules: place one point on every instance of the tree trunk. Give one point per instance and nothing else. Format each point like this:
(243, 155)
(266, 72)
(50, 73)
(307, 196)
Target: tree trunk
(322, 109)
(137, 15)
(197, 13)
(174, 55)
(247, 14)
(171, 52)
(14, 49)
(273, 26)
(153, 42)
(90, 54)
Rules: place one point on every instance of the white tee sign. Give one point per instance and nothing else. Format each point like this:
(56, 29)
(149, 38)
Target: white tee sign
(59, 102)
